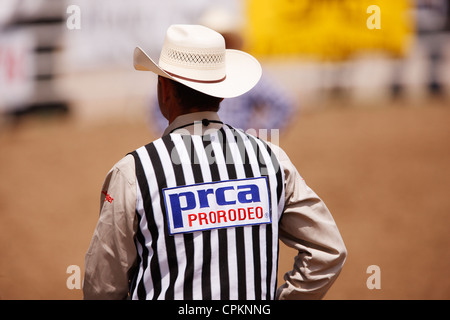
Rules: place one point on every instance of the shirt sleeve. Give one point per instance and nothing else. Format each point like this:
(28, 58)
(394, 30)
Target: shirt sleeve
(308, 226)
(112, 252)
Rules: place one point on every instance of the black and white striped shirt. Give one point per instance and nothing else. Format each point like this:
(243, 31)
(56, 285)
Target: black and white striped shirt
(224, 262)
(143, 246)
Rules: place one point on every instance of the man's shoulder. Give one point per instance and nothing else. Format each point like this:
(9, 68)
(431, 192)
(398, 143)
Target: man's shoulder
(125, 167)
(132, 156)
(149, 145)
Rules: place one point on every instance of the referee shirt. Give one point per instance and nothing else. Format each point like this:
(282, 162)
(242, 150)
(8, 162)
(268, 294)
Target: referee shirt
(306, 225)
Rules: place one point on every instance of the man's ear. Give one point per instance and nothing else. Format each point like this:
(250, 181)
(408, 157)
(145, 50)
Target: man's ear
(164, 89)
(167, 98)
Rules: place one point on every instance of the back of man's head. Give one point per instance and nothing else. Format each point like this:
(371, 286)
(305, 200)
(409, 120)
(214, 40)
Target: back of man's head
(193, 100)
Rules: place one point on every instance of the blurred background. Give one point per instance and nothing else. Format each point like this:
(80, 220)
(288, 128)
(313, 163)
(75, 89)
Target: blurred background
(358, 90)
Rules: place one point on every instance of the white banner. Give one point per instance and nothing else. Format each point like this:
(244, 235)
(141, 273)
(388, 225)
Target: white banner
(107, 32)
(16, 69)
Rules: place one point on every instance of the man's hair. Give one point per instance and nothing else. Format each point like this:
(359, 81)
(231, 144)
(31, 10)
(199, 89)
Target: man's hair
(192, 99)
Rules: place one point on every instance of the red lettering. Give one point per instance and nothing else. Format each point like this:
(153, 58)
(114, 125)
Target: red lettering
(259, 212)
(250, 213)
(232, 218)
(221, 214)
(242, 213)
(191, 218)
(202, 216)
(107, 197)
(13, 61)
(212, 215)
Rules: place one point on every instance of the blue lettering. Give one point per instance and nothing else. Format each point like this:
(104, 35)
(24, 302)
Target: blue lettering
(203, 197)
(176, 206)
(248, 196)
(220, 196)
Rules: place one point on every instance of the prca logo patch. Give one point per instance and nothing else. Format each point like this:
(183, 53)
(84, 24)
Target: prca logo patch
(220, 204)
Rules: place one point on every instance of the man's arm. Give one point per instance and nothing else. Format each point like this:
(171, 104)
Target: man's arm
(307, 225)
(112, 252)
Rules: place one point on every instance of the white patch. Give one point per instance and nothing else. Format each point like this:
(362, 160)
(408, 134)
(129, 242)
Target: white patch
(213, 205)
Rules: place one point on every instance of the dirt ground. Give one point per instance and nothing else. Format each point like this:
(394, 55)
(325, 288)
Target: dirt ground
(383, 172)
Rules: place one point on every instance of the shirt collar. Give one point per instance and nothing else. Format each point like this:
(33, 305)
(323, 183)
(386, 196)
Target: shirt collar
(190, 118)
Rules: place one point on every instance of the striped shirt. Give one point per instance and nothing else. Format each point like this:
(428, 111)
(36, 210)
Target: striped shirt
(226, 263)
(136, 252)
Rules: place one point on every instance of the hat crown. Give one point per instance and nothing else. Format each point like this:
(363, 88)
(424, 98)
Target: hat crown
(195, 36)
(194, 52)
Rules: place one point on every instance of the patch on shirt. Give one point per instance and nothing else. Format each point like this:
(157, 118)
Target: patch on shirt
(213, 205)
(107, 196)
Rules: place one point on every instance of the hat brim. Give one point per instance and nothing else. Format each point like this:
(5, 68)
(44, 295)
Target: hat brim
(243, 72)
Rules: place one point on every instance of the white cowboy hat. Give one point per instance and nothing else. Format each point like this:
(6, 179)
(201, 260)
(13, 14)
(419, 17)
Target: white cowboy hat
(195, 56)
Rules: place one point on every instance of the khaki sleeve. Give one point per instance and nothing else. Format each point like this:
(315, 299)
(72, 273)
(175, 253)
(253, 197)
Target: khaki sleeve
(308, 226)
(112, 252)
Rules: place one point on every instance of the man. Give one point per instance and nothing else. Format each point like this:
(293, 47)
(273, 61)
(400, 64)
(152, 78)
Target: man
(197, 214)
(267, 106)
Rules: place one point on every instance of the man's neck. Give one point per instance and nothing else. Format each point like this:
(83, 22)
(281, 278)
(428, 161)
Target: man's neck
(181, 112)
(191, 118)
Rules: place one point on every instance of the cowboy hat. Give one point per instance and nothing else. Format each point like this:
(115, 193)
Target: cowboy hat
(195, 56)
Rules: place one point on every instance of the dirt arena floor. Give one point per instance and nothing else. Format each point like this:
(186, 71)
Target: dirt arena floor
(383, 172)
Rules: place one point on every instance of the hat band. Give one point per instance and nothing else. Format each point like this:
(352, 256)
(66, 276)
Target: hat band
(195, 80)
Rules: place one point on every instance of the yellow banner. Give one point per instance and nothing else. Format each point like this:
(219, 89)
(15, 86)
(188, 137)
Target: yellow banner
(328, 29)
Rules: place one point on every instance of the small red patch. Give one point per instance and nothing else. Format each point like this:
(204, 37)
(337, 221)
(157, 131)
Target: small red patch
(107, 197)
